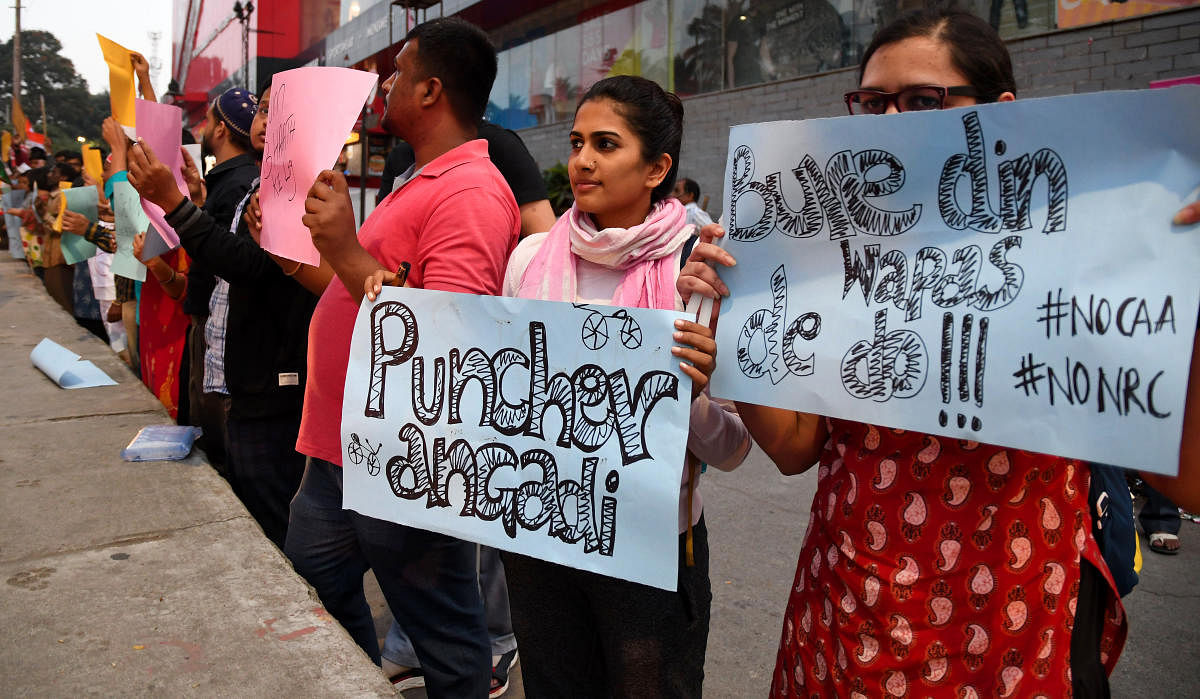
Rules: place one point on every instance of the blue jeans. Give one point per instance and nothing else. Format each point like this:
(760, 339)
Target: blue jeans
(427, 578)
(1159, 514)
(397, 647)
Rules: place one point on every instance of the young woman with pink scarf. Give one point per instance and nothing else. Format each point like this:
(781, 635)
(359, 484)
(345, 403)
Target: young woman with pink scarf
(620, 244)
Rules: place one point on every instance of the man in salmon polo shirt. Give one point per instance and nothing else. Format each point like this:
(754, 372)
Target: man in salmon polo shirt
(454, 220)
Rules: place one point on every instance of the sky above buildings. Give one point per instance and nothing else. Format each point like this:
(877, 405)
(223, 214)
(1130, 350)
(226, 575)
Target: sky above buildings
(75, 23)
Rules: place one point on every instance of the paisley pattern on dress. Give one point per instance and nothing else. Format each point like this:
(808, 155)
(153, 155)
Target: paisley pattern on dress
(939, 567)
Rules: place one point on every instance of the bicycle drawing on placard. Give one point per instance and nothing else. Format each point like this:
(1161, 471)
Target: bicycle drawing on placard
(358, 450)
(595, 330)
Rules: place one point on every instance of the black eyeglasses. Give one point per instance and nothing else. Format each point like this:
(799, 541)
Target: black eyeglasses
(918, 98)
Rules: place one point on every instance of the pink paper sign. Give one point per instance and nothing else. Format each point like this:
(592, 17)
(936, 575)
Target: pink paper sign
(160, 126)
(312, 111)
(1189, 80)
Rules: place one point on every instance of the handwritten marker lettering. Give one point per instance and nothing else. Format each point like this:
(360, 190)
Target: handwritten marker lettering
(966, 384)
(891, 365)
(838, 199)
(1017, 179)
(575, 396)
(1129, 316)
(913, 237)
(278, 172)
(764, 347)
(948, 280)
(1122, 390)
(564, 505)
(595, 407)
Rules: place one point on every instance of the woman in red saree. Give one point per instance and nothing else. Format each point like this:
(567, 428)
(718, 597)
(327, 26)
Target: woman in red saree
(162, 328)
(935, 566)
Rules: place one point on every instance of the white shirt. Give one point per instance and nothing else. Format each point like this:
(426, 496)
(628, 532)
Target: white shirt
(697, 216)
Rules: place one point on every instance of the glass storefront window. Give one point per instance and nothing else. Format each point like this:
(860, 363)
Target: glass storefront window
(652, 33)
(518, 88)
(697, 28)
(351, 9)
(697, 46)
(541, 79)
(592, 53)
(498, 100)
(567, 77)
(620, 53)
(781, 39)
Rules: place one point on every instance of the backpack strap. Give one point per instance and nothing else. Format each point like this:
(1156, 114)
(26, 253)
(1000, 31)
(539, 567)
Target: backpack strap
(686, 250)
(1113, 528)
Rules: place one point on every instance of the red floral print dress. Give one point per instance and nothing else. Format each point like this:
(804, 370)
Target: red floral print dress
(162, 334)
(939, 567)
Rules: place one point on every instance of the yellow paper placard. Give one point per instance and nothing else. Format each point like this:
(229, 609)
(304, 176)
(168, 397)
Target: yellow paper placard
(20, 124)
(5, 145)
(92, 164)
(62, 207)
(120, 80)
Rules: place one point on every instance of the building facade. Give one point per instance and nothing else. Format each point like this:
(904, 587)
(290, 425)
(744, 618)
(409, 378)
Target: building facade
(733, 61)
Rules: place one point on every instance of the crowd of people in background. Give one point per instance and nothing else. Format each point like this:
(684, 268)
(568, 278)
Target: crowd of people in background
(253, 349)
(34, 229)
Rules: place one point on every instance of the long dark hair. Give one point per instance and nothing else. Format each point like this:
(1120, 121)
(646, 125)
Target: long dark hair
(654, 114)
(976, 50)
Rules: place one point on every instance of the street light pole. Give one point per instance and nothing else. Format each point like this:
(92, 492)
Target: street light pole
(16, 90)
(243, 12)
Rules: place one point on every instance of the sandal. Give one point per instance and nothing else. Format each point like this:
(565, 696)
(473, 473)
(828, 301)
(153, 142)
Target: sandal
(1159, 543)
(409, 678)
(500, 674)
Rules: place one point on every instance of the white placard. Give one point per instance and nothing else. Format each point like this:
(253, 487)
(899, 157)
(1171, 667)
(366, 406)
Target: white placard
(1005, 273)
(555, 430)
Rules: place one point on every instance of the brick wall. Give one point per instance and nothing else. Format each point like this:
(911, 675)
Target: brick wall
(1113, 56)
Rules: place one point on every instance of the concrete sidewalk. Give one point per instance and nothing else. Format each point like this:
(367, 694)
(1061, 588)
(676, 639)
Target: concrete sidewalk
(135, 579)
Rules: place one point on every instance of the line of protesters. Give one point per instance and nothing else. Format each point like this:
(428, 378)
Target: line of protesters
(34, 224)
(258, 348)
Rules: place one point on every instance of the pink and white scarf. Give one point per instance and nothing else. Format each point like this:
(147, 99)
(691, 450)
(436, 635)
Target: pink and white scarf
(645, 252)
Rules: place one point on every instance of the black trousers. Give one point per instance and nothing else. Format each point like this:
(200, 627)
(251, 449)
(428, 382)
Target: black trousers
(265, 469)
(583, 634)
(208, 411)
(1088, 678)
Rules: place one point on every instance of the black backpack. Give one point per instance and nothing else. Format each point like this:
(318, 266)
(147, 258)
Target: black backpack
(1112, 524)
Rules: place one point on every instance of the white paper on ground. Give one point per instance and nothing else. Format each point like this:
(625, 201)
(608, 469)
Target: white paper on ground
(65, 368)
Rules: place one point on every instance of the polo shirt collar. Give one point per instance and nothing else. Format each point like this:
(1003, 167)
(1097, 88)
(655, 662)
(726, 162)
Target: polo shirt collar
(467, 152)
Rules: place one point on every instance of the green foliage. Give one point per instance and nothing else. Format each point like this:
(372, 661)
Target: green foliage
(558, 188)
(70, 110)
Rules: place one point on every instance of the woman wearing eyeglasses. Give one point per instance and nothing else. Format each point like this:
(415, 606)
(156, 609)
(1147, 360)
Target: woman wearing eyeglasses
(932, 60)
(934, 566)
